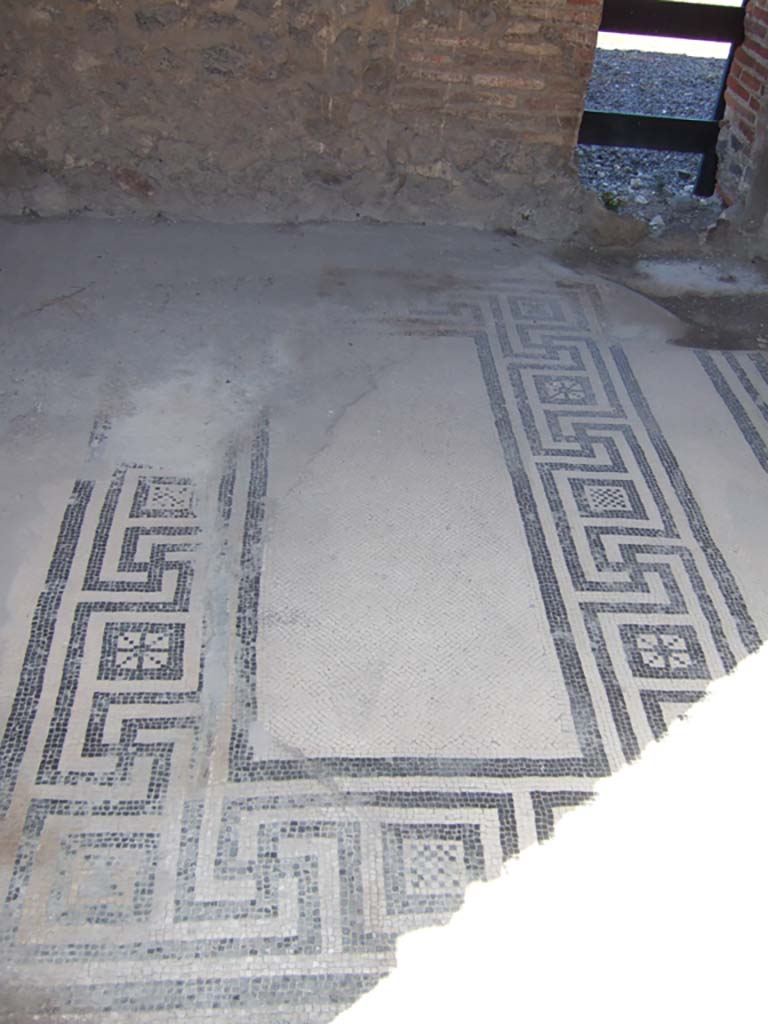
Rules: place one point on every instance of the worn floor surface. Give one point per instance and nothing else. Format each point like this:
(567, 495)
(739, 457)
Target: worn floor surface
(337, 563)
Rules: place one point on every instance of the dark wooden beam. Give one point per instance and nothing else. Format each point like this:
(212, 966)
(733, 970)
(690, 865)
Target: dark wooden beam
(640, 131)
(680, 20)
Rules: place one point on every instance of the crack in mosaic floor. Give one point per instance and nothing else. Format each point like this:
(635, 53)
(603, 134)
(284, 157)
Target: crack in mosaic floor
(238, 764)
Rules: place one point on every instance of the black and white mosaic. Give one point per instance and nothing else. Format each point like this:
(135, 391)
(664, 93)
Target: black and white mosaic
(151, 836)
(741, 380)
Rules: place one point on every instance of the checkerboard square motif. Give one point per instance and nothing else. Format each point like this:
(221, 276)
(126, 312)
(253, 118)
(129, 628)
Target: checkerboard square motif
(607, 499)
(163, 497)
(142, 650)
(434, 867)
(427, 867)
(664, 652)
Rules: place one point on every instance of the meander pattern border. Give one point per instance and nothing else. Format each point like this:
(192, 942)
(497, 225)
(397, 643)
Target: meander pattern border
(306, 870)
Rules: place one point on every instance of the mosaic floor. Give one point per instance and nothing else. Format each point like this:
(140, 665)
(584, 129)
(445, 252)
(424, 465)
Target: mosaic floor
(263, 717)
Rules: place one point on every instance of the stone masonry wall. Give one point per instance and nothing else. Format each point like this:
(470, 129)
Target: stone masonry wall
(456, 111)
(743, 144)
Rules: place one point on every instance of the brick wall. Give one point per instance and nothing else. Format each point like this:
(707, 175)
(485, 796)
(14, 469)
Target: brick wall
(743, 145)
(444, 110)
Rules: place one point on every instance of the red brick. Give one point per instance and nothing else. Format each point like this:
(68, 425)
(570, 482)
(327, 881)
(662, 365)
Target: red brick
(433, 40)
(756, 17)
(509, 81)
(482, 99)
(426, 74)
(740, 108)
(737, 88)
(750, 82)
(756, 50)
(746, 130)
(419, 57)
(746, 61)
(543, 49)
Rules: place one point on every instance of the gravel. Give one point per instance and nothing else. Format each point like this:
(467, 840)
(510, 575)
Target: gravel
(651, 183)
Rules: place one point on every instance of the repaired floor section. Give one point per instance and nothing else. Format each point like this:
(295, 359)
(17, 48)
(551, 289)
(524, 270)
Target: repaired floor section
(331, 586)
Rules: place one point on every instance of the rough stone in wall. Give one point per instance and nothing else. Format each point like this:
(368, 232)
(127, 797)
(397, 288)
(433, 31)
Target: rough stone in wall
(461, 111)
(743, 142)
